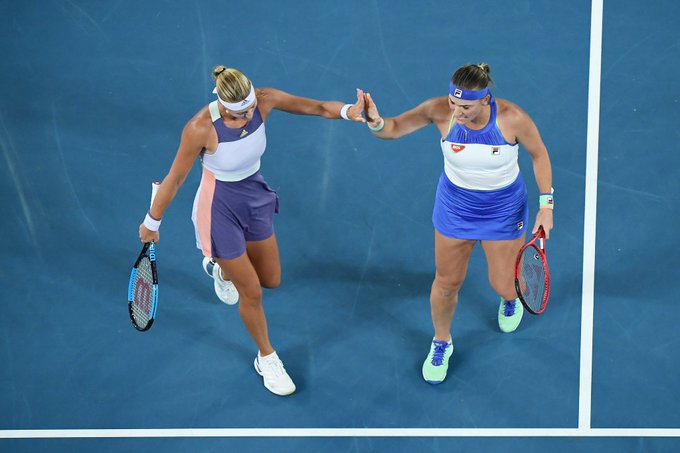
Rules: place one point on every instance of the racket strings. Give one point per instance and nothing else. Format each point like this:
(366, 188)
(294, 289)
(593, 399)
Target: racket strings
(142, 301)
(532, 278)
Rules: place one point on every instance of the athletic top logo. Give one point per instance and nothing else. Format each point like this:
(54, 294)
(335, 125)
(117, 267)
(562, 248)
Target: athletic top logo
(457, 148)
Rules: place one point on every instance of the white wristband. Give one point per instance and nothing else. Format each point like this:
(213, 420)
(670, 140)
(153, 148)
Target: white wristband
(344, 109)
(150, 223)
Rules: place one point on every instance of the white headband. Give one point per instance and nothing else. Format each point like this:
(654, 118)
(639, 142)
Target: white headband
(241, 105)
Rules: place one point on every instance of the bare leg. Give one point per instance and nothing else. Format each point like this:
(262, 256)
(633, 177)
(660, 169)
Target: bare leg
(500, 257)
(451, 259)
(265, 258)
(249, 272)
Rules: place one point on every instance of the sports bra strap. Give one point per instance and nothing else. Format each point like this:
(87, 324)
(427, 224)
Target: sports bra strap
(450, 124)
(214, 111)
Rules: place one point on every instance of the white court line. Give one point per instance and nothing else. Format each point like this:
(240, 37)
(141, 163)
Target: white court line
(590, 217)
(337, 432)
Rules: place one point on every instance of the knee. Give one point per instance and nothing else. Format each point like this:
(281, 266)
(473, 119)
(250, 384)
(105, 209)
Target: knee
(250, 294)
(505, 289)
(271, 281)
(447, 286)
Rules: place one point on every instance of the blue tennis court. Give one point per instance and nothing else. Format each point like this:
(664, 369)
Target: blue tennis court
(92, 104)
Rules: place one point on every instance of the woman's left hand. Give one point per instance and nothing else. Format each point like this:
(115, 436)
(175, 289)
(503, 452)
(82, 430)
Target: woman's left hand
(544, 218)
(355, 112)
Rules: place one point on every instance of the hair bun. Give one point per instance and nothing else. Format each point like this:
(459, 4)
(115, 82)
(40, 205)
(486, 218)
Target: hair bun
(485, 68)
(218, 70)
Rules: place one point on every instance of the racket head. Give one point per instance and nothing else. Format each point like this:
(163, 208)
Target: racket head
(143, 289)
(532, 275)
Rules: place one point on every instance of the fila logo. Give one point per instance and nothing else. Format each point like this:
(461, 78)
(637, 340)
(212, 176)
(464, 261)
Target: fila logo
(457, 148)
(457, 92)
(244, 133)
(495, 150)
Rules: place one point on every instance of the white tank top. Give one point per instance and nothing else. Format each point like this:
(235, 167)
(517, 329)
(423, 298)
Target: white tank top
(479, 159)
(238, 150)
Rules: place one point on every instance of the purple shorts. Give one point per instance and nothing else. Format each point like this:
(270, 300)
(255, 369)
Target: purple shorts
(227, 214)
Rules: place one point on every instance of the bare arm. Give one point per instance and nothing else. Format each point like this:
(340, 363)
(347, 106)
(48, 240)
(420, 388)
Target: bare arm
(403, 124)
(271, 98)
(527, 134)
(191, 144)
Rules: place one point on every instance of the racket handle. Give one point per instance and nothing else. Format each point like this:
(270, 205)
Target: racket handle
(154, 190)
(541, 237)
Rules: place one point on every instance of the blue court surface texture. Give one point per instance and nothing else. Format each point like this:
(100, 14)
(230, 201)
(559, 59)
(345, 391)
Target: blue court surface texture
(93, 99)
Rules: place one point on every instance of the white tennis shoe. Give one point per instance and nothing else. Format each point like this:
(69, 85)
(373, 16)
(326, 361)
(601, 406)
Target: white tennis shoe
(225, 289)
(274, 375)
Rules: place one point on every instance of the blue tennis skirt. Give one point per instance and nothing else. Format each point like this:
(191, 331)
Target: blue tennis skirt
(493, 215)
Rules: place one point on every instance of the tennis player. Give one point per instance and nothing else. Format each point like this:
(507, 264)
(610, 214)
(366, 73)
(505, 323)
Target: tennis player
(481, 195)
(234, 207)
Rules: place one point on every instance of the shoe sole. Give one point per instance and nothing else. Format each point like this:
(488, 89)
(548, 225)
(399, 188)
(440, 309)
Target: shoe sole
(432, 382)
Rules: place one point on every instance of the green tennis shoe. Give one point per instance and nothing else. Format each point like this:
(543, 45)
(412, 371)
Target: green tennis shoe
(510, 315)
(437, 362)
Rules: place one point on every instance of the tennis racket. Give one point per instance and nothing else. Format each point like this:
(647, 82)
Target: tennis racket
(143, 285)
(532, 277)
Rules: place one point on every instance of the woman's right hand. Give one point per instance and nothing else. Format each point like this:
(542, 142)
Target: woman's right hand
(146, 235)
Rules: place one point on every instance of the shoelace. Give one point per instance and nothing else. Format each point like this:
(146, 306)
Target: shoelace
(272, 366)
(509, 309)
(439, 350)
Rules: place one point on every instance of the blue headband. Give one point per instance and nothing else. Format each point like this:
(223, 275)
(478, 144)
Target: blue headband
(467, 95)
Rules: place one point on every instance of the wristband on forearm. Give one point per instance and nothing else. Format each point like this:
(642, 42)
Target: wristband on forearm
(343, 111)
(546, 200)
(379, 127)
(150, 223)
